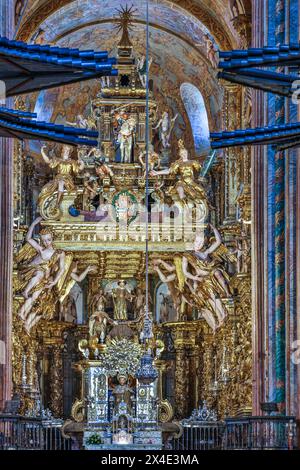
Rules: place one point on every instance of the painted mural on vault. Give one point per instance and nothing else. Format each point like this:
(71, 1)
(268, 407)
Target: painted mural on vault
(171, 17)
(169, 72)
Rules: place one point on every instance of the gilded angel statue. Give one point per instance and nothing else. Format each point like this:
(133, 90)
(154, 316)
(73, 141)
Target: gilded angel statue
(41, 270)
(211, 259)
(66, 168)
(202, 293)
(172, 275)
(206, 277)
(186, 189)
(199, 279)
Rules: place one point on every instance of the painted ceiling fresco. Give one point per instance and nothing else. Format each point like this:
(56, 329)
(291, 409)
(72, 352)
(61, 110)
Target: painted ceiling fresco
(178, 50)
(217, 9)
(174, 63)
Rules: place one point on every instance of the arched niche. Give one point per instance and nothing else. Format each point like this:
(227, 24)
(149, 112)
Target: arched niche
(196, 111)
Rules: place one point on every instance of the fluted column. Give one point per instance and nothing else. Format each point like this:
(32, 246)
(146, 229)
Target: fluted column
(6, 235)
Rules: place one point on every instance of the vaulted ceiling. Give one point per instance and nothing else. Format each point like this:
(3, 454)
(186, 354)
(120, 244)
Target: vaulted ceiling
(216, 15)
(177, 46)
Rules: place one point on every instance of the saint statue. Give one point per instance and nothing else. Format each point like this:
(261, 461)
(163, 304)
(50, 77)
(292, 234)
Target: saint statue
(165, 126)
(126, 139)
(92, 191)
(66, 169)
(124, 130)
(94, 184)
(98, 322)
(99, 319)
(122, 393)
(121, 294)
(139, 302)
(142, 69)
(103, 171)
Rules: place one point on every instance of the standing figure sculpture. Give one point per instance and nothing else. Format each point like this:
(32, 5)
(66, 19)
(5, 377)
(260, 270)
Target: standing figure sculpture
(122, 392)
(126, 139)
(142, 69)
(98, 302)
(165, 126)
(121, 294)
(140, 301)
(66, 169)
(99, 319)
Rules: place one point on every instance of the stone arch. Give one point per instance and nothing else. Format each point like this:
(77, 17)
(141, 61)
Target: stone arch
(196, 111)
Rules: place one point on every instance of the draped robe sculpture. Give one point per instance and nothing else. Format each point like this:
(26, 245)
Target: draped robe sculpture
(41, 269)
(66, 168)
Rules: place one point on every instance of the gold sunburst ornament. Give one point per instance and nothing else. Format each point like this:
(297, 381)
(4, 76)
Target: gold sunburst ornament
(122, 357)
(124, 23)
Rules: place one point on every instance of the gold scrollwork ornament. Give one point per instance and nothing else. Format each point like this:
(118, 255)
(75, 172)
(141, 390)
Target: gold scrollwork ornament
(77, 411)
(165, 411)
